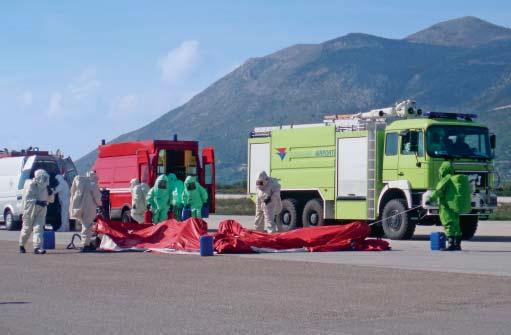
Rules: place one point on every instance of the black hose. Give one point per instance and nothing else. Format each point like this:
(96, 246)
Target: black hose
(71, 245)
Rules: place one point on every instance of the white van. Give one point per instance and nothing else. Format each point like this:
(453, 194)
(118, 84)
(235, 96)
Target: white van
(15, 170)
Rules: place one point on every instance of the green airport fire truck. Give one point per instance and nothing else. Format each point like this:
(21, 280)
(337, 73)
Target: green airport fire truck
(379, 166)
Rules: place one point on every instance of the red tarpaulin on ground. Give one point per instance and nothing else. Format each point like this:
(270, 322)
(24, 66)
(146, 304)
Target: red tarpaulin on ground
(172, 235)
(233, 238)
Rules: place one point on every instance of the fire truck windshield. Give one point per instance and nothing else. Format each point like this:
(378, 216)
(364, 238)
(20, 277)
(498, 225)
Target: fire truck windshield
(458, 142)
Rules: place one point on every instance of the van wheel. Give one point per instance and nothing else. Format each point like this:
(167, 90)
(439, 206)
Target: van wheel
(468, 226)
(288, 217)
(125, 217)
(10, 224)
(397, 224)
(313, 213)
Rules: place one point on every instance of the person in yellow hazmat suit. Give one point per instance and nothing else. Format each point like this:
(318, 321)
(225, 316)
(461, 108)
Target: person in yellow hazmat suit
(85, 199)
(36, 197)
(138, 199)
(268, 203)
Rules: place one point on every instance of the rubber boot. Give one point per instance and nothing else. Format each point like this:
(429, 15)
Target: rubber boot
(458, 243)
(22, 249)
(452, 244)
(39, 251)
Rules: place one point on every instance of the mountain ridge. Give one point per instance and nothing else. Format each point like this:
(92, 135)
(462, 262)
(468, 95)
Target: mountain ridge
(468, 31)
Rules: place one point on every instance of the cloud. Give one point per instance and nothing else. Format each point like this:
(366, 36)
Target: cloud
(124, 105)
(55, 107)
(180, 61)
(85, 84)
(25, 99)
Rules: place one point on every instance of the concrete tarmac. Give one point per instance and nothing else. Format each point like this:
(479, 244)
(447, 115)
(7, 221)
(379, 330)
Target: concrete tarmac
(487, 253)
(65, 292)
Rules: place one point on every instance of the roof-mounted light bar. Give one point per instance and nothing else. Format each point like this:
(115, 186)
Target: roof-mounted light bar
(452, 116)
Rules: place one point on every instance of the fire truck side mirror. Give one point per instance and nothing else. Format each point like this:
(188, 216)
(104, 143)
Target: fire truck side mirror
(493, 141)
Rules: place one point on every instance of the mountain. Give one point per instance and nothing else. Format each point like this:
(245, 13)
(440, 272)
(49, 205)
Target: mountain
(440, 67)
(467, 31)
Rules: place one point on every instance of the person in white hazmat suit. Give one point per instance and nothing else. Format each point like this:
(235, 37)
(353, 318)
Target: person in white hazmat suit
(85, 199)
(138, 199)
(36, 197)
(62, 189)
(268, 203)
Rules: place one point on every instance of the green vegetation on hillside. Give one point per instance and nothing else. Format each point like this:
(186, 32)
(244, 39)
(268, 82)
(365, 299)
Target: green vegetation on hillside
(505, 191)
(235, 207)
(239, 187)
(503, 212)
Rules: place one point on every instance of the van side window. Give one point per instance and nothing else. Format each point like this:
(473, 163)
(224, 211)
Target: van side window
(391, 144)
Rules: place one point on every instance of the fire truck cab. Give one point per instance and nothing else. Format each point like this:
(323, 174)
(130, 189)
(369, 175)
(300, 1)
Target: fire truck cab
(117, 164)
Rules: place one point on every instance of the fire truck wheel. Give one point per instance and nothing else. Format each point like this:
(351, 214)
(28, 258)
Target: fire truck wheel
(396, 223)
(125, 217)
(10, 224)
(468, 225)
(288, 217)
(313, 213)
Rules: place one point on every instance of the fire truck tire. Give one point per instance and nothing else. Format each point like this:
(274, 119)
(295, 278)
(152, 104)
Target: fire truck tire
(10, 224)
(313, 213)
(287, 219)
(468, 224)
(125, 216)
(396, 223)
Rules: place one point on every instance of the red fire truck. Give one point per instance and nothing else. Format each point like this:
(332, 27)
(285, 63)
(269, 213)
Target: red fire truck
(118, 163)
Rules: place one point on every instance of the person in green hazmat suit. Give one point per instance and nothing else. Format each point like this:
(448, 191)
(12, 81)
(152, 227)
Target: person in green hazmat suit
(443, 194)
(176, 188)
(194, 196)
(158, 199)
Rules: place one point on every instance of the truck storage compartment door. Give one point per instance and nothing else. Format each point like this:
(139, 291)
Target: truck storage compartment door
(352, 168)
(351, 173)
(258, 161)
(208, 163)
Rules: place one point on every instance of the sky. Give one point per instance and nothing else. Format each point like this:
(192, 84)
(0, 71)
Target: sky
(75, 72)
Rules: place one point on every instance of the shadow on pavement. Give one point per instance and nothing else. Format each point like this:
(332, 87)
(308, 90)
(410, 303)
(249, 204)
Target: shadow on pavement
(14, 302)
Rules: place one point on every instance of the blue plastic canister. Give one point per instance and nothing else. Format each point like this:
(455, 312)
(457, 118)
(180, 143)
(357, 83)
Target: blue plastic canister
(206, 245)
(437, 240)
(49, 239)
(205, 212)
(186, 213)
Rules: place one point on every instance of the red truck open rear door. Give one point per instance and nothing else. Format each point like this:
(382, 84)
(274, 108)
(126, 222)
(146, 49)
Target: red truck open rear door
(208, 163)
(144, 172)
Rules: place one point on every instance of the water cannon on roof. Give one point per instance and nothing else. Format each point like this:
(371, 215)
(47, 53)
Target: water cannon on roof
(358, 121)
(403, 109)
